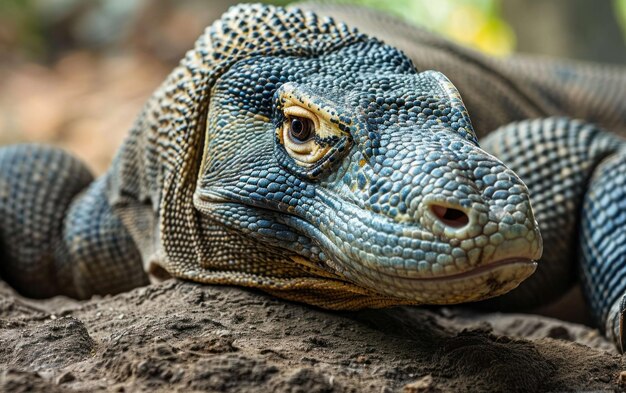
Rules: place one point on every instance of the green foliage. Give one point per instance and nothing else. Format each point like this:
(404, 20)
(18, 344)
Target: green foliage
(620, 13)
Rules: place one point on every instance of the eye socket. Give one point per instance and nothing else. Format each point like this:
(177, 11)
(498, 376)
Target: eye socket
(301, 129)
(297, 135)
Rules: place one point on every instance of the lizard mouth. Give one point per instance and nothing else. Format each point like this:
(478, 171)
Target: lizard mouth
(483, 282)
(492, 276)
(480, 283)
(478, 271)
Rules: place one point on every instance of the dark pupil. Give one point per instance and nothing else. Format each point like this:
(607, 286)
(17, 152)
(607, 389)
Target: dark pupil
(300, 129)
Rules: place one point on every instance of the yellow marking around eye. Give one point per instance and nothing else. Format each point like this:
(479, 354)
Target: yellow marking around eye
(305, 154)
(324, 128)
(298, 111)
(328, 123)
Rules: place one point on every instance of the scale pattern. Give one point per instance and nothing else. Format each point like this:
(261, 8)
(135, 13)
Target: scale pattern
(555, 157)
(602, 249)
(37, 185)
(498, 91)
(389, 200)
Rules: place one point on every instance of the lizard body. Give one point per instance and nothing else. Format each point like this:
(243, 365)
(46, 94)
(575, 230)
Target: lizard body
(292, 153)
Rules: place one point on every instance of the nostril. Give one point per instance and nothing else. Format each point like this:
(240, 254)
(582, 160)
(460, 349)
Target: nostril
(451, 217)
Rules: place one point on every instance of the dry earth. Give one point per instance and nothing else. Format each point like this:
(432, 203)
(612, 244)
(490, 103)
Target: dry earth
(179, 336)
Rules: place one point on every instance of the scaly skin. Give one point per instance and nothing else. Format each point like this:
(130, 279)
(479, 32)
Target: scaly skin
(498, 91)
(209, 187)
(387, 198)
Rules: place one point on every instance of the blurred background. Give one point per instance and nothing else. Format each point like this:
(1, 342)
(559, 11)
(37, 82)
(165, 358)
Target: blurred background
(75, 73)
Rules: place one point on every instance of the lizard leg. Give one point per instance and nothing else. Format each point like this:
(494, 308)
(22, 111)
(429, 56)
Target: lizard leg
(603, 247)
(555, 157)
(56, 231)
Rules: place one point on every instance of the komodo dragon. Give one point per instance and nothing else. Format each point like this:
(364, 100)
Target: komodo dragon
(291, 153)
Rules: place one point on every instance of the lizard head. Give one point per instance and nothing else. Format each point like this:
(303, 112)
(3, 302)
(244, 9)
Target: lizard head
(345, 178)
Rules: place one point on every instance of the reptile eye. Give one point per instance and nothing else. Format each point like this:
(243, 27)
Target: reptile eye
(301, 129)
(297, 135)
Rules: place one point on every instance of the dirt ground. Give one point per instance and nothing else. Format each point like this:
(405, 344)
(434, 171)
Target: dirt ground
(179, 336)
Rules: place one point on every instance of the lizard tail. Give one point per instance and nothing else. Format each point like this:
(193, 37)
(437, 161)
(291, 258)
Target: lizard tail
(37, 186)
(602, 249)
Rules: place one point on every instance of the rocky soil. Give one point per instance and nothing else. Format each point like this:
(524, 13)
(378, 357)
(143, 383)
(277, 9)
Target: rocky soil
(178, 336)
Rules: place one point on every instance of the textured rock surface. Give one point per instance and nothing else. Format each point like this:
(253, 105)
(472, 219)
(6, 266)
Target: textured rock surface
(178, 336)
